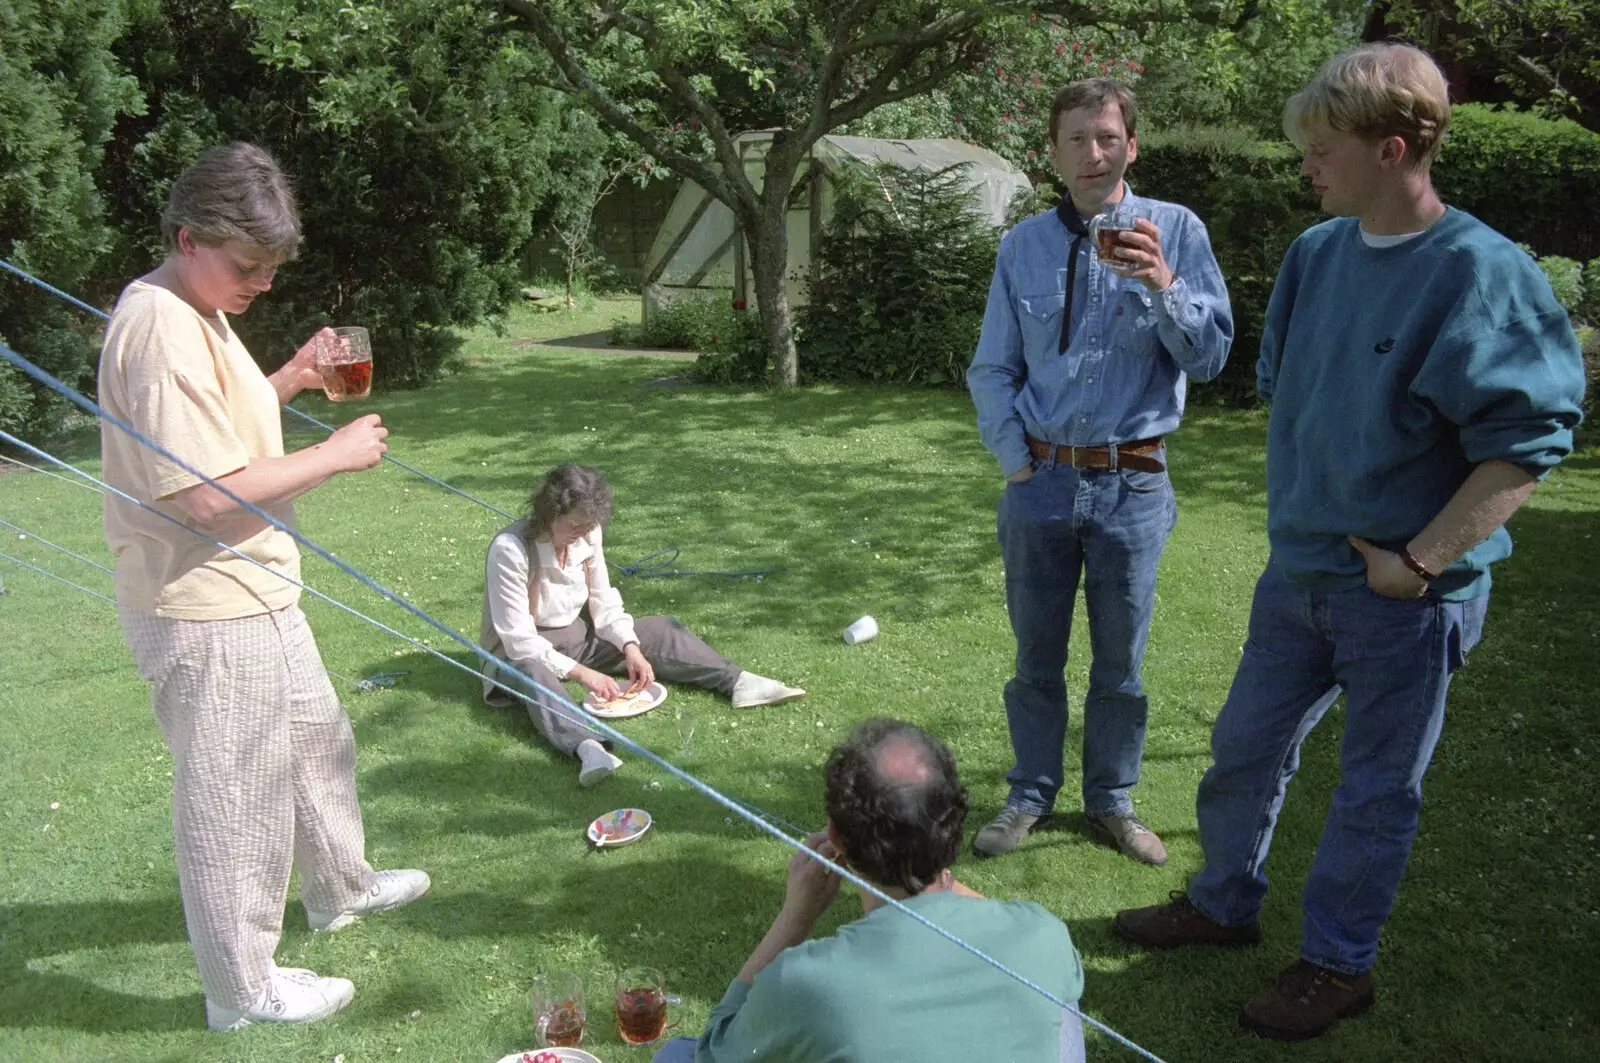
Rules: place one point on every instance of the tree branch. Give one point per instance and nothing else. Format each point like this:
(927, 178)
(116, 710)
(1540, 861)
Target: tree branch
(936, 32)
(724, 143)
(731, 187)
(867, 101)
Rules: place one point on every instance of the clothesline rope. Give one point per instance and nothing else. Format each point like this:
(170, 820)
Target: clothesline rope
(363, 685)
(589, 721)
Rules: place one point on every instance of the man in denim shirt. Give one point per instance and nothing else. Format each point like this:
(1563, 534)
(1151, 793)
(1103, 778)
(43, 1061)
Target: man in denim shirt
(1079, 374)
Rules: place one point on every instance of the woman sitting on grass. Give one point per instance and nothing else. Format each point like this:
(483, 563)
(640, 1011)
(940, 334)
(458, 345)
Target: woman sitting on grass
(551, 612)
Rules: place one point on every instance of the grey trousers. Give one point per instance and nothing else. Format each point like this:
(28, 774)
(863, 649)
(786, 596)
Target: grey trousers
(677, 654)
(264, 778)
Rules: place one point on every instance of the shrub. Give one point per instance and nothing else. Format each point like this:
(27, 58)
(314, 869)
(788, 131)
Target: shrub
(737, 352)
(727, 336)
(1566, 280)
(1589, 309)
(60, 93)
(1536, 180)
(903, 275)
(1251, 198)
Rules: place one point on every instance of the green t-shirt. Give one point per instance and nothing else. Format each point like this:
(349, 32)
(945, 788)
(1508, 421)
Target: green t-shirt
(887, 987)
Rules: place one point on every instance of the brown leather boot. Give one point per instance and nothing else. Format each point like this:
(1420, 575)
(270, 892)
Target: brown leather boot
(1306, 1000)
(1179, 922)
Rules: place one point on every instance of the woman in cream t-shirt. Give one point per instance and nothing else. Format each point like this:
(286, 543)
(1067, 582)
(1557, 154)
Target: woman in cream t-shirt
(263, 754)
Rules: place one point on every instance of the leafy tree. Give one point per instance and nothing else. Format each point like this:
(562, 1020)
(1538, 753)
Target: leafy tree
(586, 164)
(60, 91)
(1546, 52)
(418, 182)
(682, 78)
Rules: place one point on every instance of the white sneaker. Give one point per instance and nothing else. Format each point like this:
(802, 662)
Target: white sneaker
(750, 690)
(598, 763)
(292, 994)
(390, 889)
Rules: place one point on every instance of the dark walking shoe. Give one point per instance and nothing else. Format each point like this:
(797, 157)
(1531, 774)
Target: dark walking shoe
(1179, 922)
(1129, 836)
(1005, 832)
(1305, 1001)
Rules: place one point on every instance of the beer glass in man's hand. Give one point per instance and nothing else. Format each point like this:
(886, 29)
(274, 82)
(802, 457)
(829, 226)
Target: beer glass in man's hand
(1108, 228)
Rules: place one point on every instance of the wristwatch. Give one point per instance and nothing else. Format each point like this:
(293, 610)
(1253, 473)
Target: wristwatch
(1409, 560)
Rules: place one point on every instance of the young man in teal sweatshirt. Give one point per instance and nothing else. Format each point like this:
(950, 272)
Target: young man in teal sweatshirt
(1422, 379)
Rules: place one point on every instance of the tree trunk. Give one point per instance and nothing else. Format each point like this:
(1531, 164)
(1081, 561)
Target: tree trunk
(768, 233)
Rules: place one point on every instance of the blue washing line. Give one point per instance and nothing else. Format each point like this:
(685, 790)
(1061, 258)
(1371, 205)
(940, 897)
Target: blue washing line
(53, 546)
(591, 722)
(372, 682)
(58, 579)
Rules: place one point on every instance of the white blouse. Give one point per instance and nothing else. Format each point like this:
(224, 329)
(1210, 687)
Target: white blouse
(517, 606)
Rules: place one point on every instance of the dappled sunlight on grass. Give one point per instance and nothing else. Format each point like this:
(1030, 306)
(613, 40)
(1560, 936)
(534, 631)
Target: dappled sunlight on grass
(873, 501)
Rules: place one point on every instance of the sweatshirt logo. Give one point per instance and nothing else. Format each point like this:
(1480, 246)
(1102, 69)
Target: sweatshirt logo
(1384, 346)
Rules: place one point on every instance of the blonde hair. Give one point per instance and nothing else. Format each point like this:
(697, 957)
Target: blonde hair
(1381, 90)
(233, 192)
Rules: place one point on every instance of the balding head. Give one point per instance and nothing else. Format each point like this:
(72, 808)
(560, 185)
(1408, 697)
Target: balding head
(895, 801)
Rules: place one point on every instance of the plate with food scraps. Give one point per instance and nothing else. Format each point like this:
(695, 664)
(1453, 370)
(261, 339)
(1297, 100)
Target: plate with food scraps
(637, 703)
(550, 1055)
(620, 827)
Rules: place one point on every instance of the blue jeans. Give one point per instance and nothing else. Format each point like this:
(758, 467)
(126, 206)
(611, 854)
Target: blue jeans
(1394, 660)
(1107, 528)
(677, 1050)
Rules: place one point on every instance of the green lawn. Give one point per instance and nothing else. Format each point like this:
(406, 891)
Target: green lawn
(877, 501)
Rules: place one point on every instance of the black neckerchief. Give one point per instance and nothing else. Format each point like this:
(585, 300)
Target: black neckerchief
(1079, 229)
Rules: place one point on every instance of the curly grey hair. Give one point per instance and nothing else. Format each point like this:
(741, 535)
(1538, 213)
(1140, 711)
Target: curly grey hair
(568, 490)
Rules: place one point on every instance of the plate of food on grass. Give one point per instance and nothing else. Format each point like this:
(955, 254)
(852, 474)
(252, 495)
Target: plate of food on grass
(629, 703)
(621, 827)
(550, 1055)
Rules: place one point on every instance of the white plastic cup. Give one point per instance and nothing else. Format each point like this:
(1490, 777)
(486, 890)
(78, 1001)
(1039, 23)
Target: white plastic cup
(860, 631)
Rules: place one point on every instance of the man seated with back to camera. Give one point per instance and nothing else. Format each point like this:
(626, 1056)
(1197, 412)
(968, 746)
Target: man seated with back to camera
(885, 986)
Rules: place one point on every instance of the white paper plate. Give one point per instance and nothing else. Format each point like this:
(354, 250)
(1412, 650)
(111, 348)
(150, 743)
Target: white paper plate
(566, 1055)
(640, 703)
(626, 825)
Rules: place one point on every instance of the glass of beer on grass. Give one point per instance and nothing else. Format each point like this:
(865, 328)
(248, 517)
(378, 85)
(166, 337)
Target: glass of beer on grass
(558, 1013)
(344, 358)
(642, 1006)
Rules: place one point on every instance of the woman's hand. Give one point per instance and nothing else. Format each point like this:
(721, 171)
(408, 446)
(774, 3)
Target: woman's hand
(640, 671)
(358, 445)
(602, 686)
(299, 372)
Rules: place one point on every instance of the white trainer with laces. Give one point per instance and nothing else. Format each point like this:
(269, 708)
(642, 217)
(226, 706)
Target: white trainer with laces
(292, 994)
(597, 762)
(390, 889)
(751, 690)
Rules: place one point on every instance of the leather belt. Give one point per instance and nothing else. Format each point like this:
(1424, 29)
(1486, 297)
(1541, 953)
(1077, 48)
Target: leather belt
(1134, 455)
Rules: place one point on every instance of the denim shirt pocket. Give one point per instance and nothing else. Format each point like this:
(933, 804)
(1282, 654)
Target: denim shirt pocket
(1041, 320)
(1136, 311)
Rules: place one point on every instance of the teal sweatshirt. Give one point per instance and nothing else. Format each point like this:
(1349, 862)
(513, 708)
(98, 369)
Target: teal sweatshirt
(1392, 372)
(886, 988)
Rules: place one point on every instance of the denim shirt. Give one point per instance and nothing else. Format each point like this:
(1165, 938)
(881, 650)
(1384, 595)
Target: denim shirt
(1123, 375)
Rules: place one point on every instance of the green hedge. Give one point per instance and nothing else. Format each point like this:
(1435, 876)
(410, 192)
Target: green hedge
(1536, 180)
(1251, 197)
